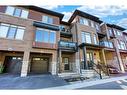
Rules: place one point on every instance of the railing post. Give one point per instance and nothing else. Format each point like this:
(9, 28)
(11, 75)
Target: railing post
(100, 74)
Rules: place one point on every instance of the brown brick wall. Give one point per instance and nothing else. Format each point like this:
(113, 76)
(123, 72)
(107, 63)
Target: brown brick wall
(2, 9)
(35, 15)
(27, 42)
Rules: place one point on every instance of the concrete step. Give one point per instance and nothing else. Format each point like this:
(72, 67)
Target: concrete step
(88, 73)
(68, 74)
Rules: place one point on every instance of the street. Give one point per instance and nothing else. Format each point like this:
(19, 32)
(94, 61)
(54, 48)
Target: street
(120, 84)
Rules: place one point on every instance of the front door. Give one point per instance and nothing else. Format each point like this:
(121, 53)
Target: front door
(39, 65)
(66, 63)
(89, 59)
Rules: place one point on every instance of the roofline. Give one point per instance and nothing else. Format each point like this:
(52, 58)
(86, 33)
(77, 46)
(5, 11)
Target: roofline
(64, 23)
(39, 9)
(116, 26)
(83, 14)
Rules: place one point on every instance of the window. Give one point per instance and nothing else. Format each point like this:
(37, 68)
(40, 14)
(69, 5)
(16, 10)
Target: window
(115, 32)
(126, 37)
(86, 37)
(121, 45)
(47, 19)
(38, 36)
(10, 10)
(92, 24)
(3, 30)
(97, 27)
(20, 33)
(24, 14)
(110, 32)
(52, 37)
(84, 21)
(44, 35)
(17, 12)
(95, 39)
(11, 31)
(110, 44)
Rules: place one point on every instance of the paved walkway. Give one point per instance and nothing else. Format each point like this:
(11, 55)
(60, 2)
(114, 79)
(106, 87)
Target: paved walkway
(84, 84)
(119, 84)
(30, 82)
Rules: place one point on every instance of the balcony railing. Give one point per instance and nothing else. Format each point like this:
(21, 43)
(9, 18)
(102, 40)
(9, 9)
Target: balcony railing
(65, 45)
(106, 44)
(65, 32)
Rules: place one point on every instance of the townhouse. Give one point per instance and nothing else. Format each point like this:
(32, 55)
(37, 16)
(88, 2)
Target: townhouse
(34, 40)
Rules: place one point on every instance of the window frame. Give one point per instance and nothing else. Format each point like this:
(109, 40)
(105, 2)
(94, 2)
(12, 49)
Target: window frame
(85, 38)
(12, 26)
(47, 19)
(15, 11)
(49, 32)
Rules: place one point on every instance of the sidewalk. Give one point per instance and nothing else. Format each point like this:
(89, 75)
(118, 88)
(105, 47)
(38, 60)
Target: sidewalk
(86, 84)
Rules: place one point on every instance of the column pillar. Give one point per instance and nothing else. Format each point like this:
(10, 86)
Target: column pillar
(118, 56)
(77, 63)
(25, 64)
(60, 61)
(84, 56)
(103, 56)
(54, 64)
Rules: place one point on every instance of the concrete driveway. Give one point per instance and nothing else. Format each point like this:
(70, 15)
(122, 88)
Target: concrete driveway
(30, 82)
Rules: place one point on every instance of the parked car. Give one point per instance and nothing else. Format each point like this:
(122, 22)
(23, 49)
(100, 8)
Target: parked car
(112, 69)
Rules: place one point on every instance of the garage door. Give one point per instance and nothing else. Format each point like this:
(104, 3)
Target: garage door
(13, 64)
(39, 65)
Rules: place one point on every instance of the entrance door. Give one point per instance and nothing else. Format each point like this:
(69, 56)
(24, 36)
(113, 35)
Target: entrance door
(39, 65)
(89, 59)
(66, 63)
(12, 64)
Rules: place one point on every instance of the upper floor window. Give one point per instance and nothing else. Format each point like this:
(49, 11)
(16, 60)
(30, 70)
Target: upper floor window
(110, 32)
(11, 31)
(84, 21)
(119, 33)
(92, 24)
(47, 19)
(47, 36)
(95, 39)
(97, 27)
(121, 45)
(126, 37)
(86, 37)
(17, 12)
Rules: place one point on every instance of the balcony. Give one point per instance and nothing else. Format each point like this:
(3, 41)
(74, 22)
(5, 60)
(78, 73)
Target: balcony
(101, 34)
(44, 45)
(65, 32)
(107, 44)
(67, 46)
(45, 25)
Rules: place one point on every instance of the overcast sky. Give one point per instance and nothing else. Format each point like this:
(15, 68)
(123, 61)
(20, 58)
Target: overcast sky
(116, 14)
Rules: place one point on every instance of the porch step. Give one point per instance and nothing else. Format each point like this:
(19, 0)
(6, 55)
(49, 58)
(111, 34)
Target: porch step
(88, 73)
(93, 74)
(68, 75)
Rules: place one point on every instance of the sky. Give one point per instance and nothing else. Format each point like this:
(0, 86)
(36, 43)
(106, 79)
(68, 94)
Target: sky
(114, 14)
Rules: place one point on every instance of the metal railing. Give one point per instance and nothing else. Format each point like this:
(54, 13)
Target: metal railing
(99, 68)
(67, 45)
